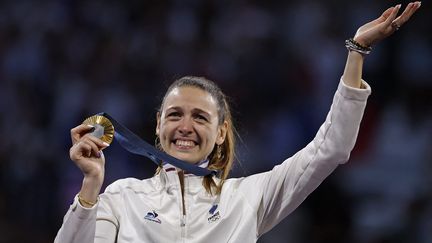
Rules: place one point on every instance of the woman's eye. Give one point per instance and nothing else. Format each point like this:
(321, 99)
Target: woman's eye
(174, 114)
(201, 117)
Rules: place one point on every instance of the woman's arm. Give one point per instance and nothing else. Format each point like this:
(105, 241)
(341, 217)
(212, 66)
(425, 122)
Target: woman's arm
(277, 193)
(79, 223)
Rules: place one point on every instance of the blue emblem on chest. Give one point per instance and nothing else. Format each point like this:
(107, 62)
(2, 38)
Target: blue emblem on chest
(215, 216)
(153, 216)
(213, 209)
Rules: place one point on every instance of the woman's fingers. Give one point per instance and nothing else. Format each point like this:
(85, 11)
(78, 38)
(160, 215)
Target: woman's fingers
(97, 141)
(79, 150)
(87, 146)
(407, 13)
(86, 151)
(404, 16)
(93, 149)
(380, 19)
(392, 15)
(79, 131)
(386, 14)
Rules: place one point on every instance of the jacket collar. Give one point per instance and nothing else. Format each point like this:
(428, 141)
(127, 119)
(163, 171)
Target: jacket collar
(170, 168)
(168, 176)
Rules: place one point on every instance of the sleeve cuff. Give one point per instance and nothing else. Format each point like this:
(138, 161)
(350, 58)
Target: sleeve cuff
(354, 93)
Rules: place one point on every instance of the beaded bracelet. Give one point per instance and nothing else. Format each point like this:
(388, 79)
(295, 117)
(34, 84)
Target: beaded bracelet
(353, 45)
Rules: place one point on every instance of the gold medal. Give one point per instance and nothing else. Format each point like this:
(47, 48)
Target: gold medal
(104, 129)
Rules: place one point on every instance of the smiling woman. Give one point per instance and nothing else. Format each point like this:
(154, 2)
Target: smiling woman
(194, 124)
(188, 123)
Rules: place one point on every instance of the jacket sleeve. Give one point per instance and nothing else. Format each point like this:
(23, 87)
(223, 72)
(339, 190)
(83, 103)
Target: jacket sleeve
(82, 225)
(283, 188)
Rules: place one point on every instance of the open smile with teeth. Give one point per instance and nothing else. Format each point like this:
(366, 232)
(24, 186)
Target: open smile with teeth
(185, 144)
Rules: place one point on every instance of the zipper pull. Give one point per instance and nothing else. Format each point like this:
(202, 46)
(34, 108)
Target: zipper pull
(183, 221)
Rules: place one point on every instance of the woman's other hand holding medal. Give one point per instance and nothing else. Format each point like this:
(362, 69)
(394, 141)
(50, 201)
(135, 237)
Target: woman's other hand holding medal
(86, 152)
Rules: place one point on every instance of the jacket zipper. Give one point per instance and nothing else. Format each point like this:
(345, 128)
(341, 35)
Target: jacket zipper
(182, 206)
(183, 228)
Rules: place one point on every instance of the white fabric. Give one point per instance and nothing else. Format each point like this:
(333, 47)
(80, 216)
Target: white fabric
(247, 207)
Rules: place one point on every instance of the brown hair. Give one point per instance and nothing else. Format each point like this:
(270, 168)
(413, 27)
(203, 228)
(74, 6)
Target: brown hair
(222, 156)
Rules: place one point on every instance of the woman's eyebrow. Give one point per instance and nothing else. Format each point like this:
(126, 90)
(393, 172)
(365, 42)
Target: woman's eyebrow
(176, 108)
(194, 110)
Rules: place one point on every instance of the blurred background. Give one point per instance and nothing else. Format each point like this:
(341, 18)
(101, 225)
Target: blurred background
(279, 61)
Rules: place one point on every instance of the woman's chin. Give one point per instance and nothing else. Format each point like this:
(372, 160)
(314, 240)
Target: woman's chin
(186, 158)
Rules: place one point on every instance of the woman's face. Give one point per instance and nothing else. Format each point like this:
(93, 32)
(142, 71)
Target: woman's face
(188, 125)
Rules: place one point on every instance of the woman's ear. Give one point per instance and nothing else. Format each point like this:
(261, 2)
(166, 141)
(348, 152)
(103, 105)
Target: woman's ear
(157, 123)
(222, 131)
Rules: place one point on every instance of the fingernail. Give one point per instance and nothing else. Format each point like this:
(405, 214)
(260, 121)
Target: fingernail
(399, 5)
(99, 154)
(90, 125)
(106, 144)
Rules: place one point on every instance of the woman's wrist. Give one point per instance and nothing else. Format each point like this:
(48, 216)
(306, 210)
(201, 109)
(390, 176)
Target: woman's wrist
(90, 190)
(361, 42)
(353, 69)
(93, 181)
(353, 45)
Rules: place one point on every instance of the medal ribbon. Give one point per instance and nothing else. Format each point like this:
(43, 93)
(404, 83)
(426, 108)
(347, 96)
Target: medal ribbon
(134, 144)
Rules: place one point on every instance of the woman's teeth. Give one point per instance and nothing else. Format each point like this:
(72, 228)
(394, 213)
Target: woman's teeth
(185, 143)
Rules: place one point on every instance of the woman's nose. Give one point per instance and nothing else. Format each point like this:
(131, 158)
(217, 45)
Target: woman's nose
(186, 126)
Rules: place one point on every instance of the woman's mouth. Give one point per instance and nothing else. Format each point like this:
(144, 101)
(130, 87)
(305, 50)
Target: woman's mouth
(184, 144)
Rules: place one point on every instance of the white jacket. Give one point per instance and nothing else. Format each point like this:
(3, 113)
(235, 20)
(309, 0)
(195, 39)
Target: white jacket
(150, 210)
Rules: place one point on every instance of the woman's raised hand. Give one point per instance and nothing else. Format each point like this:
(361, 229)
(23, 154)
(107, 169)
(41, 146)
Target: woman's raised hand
(385, 25)
(86, 152)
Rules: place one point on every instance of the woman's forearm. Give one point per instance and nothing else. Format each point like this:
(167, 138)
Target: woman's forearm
(352, 75)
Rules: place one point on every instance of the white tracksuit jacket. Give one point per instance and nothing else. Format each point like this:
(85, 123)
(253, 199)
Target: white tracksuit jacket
(150, 210)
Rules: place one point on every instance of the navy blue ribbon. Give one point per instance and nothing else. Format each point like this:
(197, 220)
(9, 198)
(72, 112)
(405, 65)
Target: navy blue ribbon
(134, 144)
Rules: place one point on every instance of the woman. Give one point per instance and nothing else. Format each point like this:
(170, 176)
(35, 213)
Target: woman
(194, 124)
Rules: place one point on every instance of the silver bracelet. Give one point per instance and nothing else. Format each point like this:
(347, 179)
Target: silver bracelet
(353, 45)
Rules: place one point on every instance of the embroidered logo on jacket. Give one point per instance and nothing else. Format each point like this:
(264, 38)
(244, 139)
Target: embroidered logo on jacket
(153, 216)
(214, 216)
